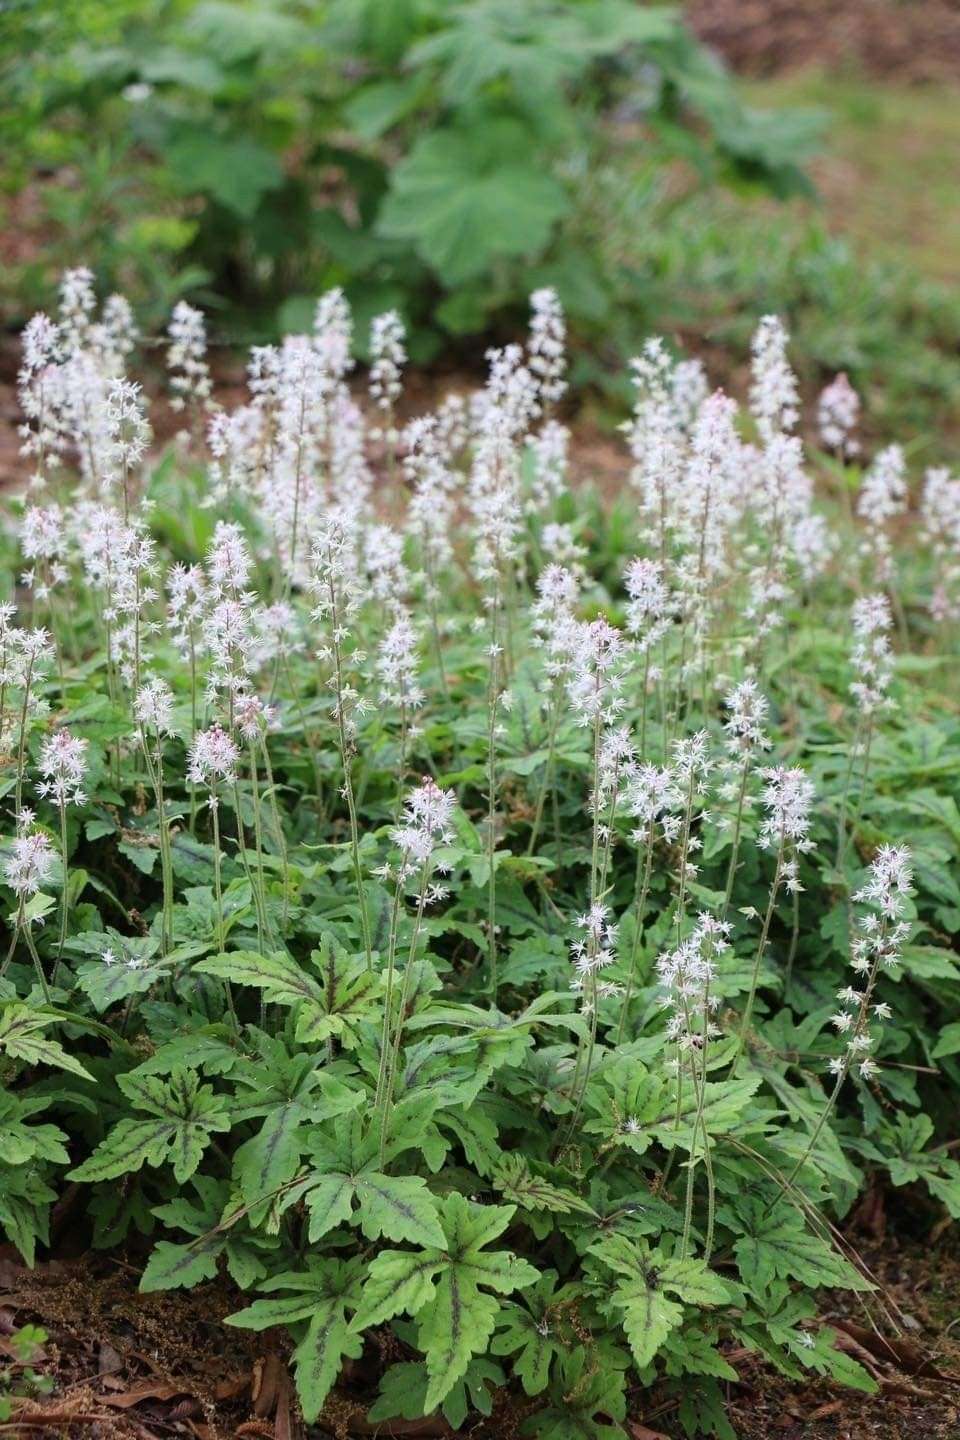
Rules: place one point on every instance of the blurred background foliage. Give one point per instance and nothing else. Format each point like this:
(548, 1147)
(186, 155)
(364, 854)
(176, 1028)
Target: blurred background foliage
(443, 159)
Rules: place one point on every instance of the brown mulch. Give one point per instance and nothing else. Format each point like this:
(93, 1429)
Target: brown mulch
(904, 40)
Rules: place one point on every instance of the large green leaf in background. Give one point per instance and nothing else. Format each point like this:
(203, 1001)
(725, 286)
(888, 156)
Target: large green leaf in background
(464, 197)
(236, 171)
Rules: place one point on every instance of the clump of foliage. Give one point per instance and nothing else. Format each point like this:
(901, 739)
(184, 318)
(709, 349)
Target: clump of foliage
(500, 930)
(421, 155)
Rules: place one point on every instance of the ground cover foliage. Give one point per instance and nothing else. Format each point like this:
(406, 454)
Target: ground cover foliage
(501, 930)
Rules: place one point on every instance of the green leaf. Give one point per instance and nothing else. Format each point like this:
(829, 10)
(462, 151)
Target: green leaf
(398, 1281)
(948, 1042)
(825, 1358)
(237, 172)
(376, 108)
(265, 1314)
(452, 192)
(533, 1331)
(398, 1207)
(144, 857)
(910, 1134)
(175, 1266)
(946, 1187)
(319, 1356)
(107, 985)
(270, 1158)
(282, 980)
(330, 1203)
(21, 1037)
(776, 1243)
(441, 1286)
(403, 1390)
(457, 1323)
(515, 1182)
(184, 1114)
(324, 1293)
(648, 1315)
(129, 1145)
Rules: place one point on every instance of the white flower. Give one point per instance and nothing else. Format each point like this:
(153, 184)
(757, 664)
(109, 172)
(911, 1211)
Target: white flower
(63, 765)
(596, 678)
(153, 706)
(387, 357)
(30, 863)
(748, 709)
(838, 411)
(774, 397)
(788, 797)
(546, 346)
(213, 756)
(879, 936)
(333, 333)
(186, 357)
(425, 825)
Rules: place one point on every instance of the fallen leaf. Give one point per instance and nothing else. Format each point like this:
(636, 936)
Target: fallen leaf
(643, 1432)
(426, 1429)
(850, 1346)
(267, 1379)
(907, 1356)
(822, 1411)
(147, 1390)
(905, 1387)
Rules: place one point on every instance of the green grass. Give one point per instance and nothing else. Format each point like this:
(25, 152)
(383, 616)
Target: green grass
(888, 173)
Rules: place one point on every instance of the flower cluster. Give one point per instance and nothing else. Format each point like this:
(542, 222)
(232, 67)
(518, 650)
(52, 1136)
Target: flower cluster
(187, 357)
(425, 827)
(63, 765)
(592, 953)
(212, 757)
(686, 975)
(940, 517)
(651, 797)
(153, 706)
(838, 411)
(387, 356)
(747, 709)
(876, 947)
(547, 346)
(649, 609)
(774, 396)
(30, 862)
(871, 656)
(596, 672)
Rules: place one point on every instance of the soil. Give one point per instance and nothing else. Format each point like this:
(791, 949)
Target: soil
(915, 40)
(126, 1366)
